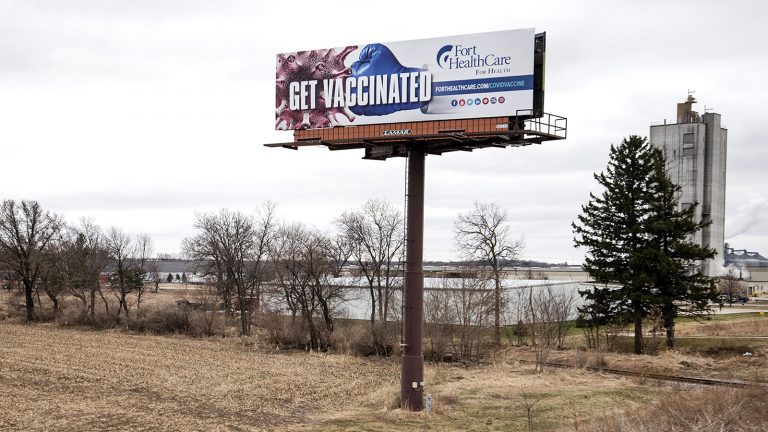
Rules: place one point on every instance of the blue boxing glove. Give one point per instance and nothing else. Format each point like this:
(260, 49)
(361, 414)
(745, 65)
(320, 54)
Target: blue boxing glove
(377, 59)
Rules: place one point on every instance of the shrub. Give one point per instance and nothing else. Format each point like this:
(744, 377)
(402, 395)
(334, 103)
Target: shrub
(283, 331)
(703, 409)
(377, 341)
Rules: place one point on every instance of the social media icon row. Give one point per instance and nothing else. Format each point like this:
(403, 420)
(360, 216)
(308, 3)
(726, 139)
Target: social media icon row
(478, 101)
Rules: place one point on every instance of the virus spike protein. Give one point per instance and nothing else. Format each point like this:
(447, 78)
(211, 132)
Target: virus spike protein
(305, 66)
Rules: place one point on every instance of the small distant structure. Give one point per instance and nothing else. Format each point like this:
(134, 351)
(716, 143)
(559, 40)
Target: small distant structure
(685, 112)
(752, 267)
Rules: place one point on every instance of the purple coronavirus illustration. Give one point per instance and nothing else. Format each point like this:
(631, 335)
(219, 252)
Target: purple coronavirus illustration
(303, 66)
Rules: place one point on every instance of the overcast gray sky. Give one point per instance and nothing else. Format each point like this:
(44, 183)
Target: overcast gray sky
(139, 113)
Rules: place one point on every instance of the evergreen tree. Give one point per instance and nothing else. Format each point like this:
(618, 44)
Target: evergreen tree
(169, 278)
(674, 260)
(638, 240)
(602, 309)
(612, 227)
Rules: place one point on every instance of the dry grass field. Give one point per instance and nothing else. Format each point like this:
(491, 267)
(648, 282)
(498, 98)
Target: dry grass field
(742, 325)
(169, 293)
(65, 379)
(61, 378)
(724, 363)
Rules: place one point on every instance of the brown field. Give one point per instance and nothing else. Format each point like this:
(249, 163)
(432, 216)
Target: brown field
(740, 326)
(61, 378)
(724, 362)
(169, 293)
(64, 379)
(54, 378)
(166, 295)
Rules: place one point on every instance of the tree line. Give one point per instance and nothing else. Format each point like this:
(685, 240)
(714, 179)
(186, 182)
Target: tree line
(638, 243)
(241, 253)
(243, 257)
(44, 253)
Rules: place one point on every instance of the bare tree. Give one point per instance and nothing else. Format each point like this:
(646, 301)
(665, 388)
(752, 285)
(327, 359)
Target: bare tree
(562, 311)
(474, 308)
(339, 249)
(206, 247)
(731, 286)
(517, 315)
(58, 269)
(73, 263)
(144, 250)
(129, 256)
(441, 320)
(328, 288)
(26, 231)
(153, 269)
(90, 251)
(204, 314)
(295, 255)
(458, 316)
(305, 262)
(529, 402)
(120, 249)
(482, 235)
(547, 312)
(68, 266)
(232, 247)
(375, 235)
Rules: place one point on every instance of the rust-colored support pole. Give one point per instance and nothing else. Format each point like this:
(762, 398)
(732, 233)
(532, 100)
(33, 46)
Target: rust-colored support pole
(412, 369)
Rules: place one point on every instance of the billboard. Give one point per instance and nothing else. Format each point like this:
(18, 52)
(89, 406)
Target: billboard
(447, 78)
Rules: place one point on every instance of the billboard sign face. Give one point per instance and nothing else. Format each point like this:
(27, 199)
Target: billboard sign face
(448, 78)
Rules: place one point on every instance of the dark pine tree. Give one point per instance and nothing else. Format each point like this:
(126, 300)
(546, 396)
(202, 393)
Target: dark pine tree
(673, 259)
(169, 278)
(612, 229)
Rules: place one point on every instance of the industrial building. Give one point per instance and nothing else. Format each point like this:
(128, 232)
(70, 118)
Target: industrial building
(751, 266)
(696, 148)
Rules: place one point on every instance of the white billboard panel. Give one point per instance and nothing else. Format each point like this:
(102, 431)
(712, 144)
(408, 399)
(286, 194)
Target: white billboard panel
(455, 77)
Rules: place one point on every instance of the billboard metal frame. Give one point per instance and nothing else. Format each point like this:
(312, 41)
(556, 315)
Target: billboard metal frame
(526, 127)
(518, 131)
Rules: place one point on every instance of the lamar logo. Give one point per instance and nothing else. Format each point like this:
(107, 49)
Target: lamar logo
(397, 132)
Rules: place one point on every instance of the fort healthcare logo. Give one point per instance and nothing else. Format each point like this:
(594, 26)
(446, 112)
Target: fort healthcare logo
(465, 57)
